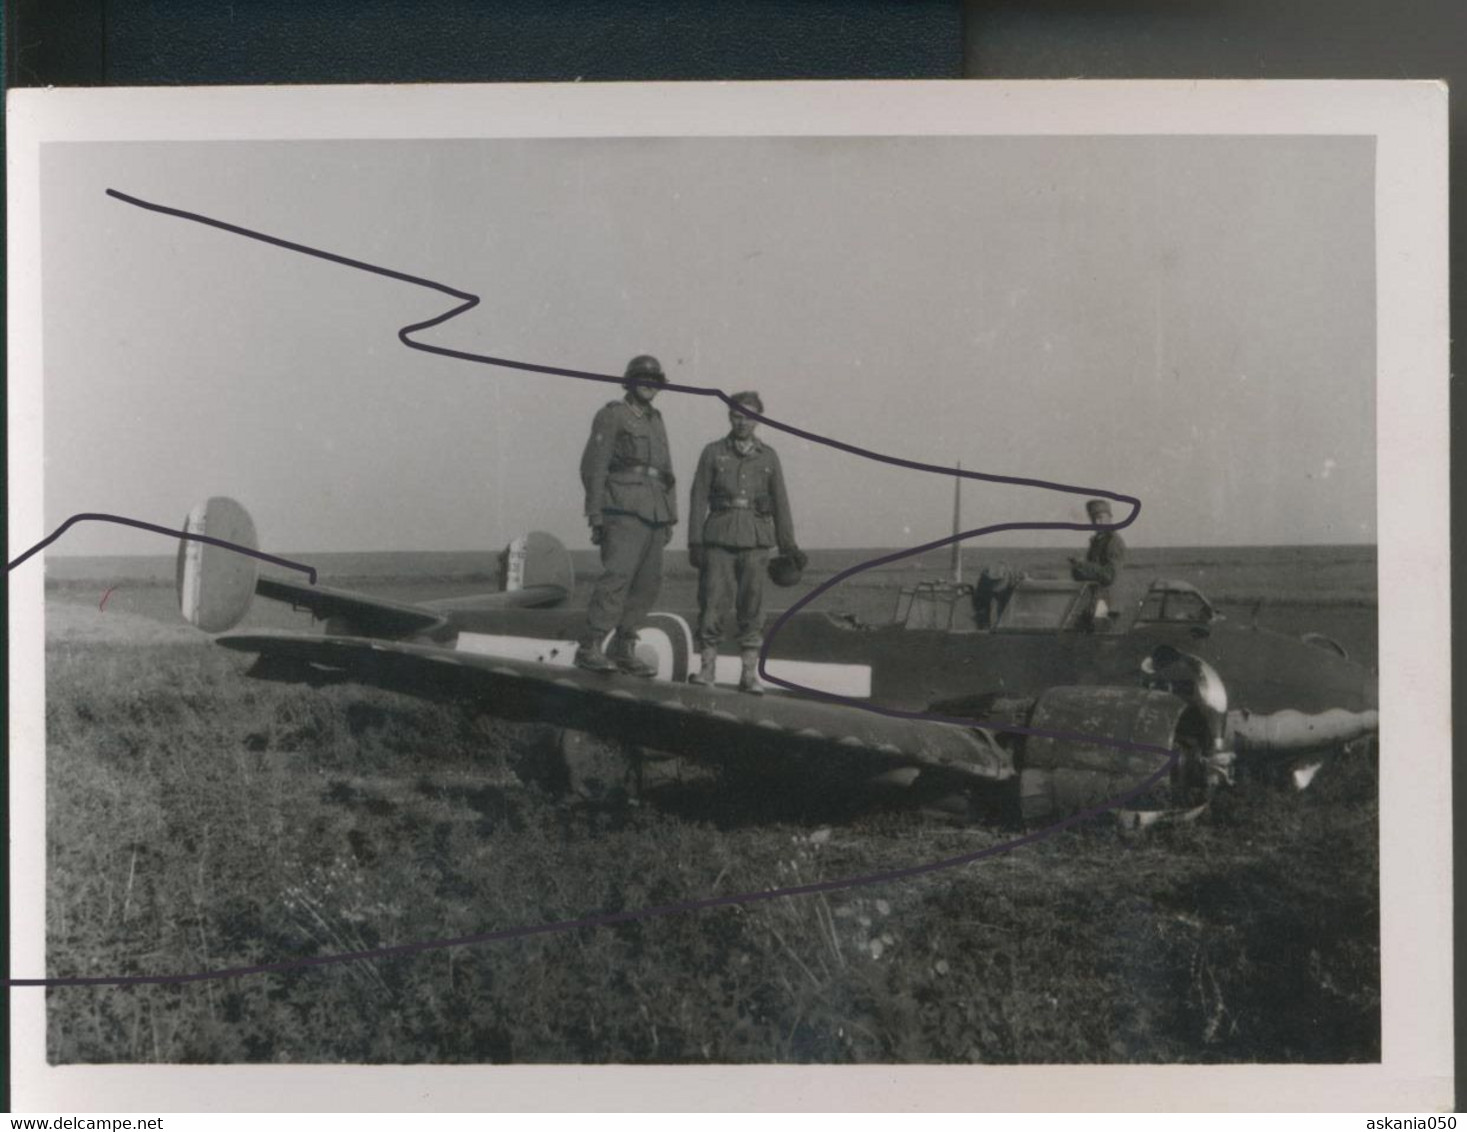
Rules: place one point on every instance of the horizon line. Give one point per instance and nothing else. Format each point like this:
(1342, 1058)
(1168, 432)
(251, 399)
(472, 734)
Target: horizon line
(809, 549)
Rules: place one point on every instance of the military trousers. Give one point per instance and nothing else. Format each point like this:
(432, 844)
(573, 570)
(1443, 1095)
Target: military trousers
(732, 577)
(631, 575)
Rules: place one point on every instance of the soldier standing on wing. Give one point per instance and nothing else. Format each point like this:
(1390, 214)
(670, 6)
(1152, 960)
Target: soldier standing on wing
(627, 472)
(1102, 563)
(739, 511)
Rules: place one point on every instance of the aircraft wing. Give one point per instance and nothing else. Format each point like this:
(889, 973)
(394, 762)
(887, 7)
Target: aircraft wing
(371, 616)
(684, 718)
(368, 615)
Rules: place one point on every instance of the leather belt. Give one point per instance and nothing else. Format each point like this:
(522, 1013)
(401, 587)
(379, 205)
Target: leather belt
(737, 503)
(646, 469)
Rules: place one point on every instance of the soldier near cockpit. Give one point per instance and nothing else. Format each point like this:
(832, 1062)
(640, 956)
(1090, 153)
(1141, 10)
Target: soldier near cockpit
(631, 508)
(739, 511)
(1102, 564)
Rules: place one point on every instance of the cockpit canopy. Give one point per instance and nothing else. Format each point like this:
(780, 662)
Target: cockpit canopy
(1045, 605)
(1169, 601)
(936, 605)
(1041, 605)
(1025, 605)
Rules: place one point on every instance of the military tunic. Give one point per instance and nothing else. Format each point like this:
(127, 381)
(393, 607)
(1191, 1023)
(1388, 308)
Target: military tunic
(626, 470)
(1102, 565)
(626, 467)
(739, 511)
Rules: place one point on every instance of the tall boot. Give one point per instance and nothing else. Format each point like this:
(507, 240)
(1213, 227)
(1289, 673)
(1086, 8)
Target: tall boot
(708, 662)
(590, 656)
(749, 676)
(623, 654)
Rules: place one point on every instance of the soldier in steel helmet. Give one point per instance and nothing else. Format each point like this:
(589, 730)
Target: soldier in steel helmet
(631, 508)
(1102, 563)
(739, 511)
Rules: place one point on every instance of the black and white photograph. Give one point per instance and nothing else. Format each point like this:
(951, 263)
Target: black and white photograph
(776, 575)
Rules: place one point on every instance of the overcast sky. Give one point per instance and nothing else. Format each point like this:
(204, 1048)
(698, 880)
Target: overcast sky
(1187, 320)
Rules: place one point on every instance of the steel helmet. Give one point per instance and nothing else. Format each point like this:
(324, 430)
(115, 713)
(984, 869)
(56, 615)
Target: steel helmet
(784, 570)
(645, 366)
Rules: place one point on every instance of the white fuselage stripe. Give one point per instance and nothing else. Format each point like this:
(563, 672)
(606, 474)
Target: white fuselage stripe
(853, 680)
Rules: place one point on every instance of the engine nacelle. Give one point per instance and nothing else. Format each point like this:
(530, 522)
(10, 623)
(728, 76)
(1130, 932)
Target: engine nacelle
(1087, 753)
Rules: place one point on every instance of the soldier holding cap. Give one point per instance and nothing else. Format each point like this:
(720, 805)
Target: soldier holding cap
(1102, 562)
(739, 510)
(627, 472)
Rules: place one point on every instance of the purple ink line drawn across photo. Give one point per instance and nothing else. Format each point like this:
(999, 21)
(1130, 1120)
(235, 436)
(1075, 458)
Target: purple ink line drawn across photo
(123, 520)
(467, 301)
(610, 919)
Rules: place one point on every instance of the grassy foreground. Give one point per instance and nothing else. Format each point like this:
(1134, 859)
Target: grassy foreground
(198, 820)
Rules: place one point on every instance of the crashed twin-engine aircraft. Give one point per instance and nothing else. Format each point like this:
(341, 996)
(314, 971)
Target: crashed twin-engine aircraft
(1047, 714)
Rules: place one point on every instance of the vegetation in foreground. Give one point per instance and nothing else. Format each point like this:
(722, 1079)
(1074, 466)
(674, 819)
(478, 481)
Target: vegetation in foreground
(199, 820)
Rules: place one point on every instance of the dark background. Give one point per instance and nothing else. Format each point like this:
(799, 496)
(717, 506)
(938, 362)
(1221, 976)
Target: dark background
(167, 42)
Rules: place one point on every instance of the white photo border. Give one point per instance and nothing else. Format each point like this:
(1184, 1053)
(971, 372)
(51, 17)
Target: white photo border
(1408, 121)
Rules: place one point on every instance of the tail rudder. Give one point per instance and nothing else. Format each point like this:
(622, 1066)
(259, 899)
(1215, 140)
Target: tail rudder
(538, 561)
(216, 584)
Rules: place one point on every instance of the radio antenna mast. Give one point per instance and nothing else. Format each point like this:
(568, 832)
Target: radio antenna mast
(958, 526)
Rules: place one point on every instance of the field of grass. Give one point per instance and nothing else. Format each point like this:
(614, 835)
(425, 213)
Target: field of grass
(199, 820)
